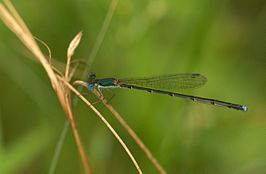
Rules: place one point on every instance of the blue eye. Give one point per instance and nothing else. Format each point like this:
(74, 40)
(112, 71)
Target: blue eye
(90, 87)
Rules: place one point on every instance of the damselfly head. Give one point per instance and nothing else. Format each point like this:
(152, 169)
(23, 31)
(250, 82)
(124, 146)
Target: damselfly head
(91, 81)
(91, 76)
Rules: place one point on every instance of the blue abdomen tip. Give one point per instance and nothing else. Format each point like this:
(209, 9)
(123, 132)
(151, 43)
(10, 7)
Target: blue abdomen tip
(244, 108)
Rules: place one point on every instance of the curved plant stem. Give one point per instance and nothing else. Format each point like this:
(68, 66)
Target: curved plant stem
(15, 23)
(128, 128)
(133, 135)
(105, 122)
(89, 61)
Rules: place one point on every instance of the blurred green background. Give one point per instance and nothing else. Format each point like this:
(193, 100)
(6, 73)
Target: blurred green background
(223, 40)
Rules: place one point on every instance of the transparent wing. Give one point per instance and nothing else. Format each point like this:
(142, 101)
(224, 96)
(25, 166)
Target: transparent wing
(171, 82)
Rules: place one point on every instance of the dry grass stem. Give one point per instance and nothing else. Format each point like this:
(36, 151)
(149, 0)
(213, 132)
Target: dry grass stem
(62, 87)
(131, 133)
(102, 118)
(15, 23)
(128, 128)
(47, 47)
(28, 40)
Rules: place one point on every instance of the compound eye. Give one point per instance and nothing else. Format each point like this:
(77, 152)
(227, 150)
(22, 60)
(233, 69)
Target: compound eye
(90, 87)
(91, 76)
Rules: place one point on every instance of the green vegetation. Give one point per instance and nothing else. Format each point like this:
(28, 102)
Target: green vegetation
(223, 40)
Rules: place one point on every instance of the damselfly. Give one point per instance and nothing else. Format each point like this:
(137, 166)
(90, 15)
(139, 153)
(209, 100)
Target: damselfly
(166, 84)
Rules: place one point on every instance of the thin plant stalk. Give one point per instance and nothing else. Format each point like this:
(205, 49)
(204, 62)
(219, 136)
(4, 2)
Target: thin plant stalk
(128, 128)
(15, 23)
(133, 135)
(105, 122)
(88, 63)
